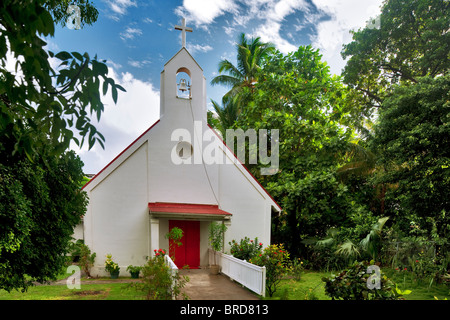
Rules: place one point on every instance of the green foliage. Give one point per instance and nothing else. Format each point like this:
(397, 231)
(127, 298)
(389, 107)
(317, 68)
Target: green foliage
(39, 210)
(412, 135)
(276, 260)
(226, 115)
(87, 258)
(246, 249)
(216, 234)
(110, 265)
(42, 111)
(411, 42)
(296, 269)
(38, 105)
(251, 54)
(133, 269)
(297, 95)
(372, 242)
(159, 282)
(352, 284)
(174, 236)
(58, 9)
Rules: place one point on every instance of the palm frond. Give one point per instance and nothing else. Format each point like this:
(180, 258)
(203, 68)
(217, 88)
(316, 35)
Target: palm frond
(226, 80)
(226, 66)
(348, 250)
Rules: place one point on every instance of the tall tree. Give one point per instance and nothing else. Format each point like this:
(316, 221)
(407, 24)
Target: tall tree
(412, 41)
(297, 95)
(41, 109)
(35, 98)
(412, 136)
(40, 204)
(227, 114)
(250, 57)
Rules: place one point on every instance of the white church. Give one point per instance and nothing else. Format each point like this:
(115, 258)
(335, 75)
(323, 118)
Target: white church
(165, 179)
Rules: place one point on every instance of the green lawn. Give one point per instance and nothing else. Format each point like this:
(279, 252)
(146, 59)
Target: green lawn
(309, 287)
(88, 291)
(421, 289)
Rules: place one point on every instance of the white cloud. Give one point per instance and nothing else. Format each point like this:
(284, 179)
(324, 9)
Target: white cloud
(130, 33)
(203, 12)
(114, 65)
(136, 110)
(193, 48)
(229, 30)
(138, 64)
(345, 16)
(120, 6)
(271, 15)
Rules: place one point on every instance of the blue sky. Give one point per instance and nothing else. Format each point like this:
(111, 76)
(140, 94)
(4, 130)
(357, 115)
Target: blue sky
(137, 37)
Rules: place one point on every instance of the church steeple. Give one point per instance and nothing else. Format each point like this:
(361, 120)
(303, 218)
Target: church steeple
(190, 102)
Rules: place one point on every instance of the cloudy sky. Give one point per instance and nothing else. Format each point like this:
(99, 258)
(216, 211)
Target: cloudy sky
(137, 37)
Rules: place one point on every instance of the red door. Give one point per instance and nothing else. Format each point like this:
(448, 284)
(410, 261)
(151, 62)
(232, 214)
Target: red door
(189, 252)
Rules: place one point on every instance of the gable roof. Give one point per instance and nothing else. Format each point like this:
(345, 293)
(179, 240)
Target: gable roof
(119, 155)
(166, 209)
(115, 163)
(183, 49)
(246, 170)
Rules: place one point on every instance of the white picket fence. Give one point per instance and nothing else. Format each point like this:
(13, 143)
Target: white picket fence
(169, 262)
(173, 269)
(249, 275)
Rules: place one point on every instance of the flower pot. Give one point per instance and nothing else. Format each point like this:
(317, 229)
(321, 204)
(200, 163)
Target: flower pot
(134, 275)
(114, 275)
(214, 269)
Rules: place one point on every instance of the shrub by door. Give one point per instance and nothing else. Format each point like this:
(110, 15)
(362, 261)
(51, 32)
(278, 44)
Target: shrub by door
(189, 252)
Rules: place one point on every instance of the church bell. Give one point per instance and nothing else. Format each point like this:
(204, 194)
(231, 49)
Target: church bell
(183, 85)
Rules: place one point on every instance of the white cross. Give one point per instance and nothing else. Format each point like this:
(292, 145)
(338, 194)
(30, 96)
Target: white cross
(183, 29)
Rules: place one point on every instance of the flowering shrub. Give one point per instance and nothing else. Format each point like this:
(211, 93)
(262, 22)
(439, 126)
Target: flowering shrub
(276, 260)
(110, 265)
(158, 282)
(159, 253)
(246, 249)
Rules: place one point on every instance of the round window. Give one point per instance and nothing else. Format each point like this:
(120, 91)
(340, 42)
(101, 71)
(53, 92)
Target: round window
(184, 150)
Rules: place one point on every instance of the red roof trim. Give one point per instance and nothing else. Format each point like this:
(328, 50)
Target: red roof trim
(189, 208)
(279, 207)
(120, 154)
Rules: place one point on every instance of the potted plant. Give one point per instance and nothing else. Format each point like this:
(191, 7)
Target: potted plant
(174, 237)
(134, 271)
(216, 233)
(112, 267)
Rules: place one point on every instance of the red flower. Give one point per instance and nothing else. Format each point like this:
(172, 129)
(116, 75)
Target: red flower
(417, 260)
(260, 243)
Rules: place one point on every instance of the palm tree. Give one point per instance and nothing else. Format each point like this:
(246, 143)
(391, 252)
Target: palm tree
(250, 56)
(226, 114)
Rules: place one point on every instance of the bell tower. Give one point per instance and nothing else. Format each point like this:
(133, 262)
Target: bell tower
(183, 86)
(182, 135)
